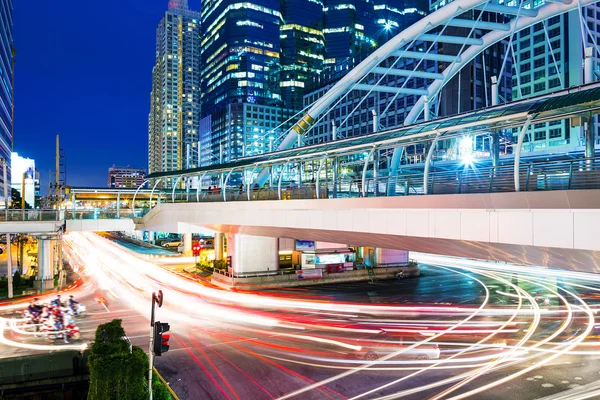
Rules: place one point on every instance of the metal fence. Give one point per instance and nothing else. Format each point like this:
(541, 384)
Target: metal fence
(31, 215)
(536, 176)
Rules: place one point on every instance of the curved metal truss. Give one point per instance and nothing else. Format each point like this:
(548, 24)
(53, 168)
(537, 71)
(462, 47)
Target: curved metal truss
(392, 62)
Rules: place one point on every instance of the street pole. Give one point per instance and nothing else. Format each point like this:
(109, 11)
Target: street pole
(155, 299)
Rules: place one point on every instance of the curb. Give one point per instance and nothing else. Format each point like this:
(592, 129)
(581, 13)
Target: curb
(165, 383)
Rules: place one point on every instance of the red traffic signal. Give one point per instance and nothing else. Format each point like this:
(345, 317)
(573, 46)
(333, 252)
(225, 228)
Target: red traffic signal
(161, 339)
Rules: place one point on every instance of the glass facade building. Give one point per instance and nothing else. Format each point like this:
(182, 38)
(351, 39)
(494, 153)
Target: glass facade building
(549, 58)
(175, 97)
(349, 28)
(302, 48)
(6, 89)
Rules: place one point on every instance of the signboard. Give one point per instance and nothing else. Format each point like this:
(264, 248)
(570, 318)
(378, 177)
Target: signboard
(305, 245)
(304, 274)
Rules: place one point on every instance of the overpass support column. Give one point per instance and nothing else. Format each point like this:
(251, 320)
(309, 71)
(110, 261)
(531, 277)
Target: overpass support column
(45, 273)
(251, 254)
(218, 246)
(187, 244)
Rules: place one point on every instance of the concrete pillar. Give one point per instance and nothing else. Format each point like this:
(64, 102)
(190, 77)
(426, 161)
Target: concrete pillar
(218, 246)
(118, 204)
(45, 275)
(187, 244)
(253, 253)
(151, 237)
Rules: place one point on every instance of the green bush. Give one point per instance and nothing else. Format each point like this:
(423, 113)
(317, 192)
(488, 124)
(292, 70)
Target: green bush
(159, 390)
(116, 372)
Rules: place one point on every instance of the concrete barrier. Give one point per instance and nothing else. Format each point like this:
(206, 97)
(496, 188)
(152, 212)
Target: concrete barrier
(291, 280)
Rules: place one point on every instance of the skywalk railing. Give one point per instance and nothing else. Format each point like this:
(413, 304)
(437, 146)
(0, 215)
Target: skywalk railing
(31, 215)
(536, 176)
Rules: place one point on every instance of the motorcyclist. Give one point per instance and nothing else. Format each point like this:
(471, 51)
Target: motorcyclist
(32, 310)
(56, 302)
(73, 305)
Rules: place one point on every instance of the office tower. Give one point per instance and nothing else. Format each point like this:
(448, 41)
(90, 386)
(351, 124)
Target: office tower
(175, 96)
(549, 58)
(240, 53)
(393, 16)
(125, 177)
(302, 48)
(6, 92)
(349, 31)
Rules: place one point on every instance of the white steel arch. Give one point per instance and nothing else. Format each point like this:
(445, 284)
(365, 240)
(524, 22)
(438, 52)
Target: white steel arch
(428, 31)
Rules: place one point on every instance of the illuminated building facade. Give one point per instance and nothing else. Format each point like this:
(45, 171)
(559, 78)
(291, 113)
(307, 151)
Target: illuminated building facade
(6, 89)
(549, 58)
(240, 53)
(175, 97)
(392, 17)
(125, 177)
(247, 129)
(349, 28)
(302, 48)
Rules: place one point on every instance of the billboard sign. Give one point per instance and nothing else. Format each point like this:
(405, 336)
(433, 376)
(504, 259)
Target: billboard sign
(304, 274)
(305, 245)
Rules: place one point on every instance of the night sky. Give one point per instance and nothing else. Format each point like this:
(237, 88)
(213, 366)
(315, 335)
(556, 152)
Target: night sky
(83, 70)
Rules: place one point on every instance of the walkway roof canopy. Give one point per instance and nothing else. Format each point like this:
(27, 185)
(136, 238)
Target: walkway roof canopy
(553, 106)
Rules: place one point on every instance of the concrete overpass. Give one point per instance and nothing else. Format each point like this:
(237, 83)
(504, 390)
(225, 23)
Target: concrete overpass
(557, 229)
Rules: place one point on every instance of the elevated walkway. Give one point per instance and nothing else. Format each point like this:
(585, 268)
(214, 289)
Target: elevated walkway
(557, 229)
(31, 222)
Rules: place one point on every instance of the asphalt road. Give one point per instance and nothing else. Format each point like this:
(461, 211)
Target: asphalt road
(486, 331)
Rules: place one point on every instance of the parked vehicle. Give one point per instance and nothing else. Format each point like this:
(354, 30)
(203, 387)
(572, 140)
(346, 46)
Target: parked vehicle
(173, 244)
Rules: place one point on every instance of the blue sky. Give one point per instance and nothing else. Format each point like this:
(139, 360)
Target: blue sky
(83, 70)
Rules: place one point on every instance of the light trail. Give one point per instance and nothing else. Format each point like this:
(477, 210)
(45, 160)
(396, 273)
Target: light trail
(506, 331)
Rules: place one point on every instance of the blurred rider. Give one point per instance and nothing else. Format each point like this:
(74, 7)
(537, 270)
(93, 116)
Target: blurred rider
(73, 305)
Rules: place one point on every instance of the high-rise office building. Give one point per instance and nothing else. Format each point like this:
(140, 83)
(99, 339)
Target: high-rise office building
(349, 28)
(302, 48)
(241, 66)
(550, 57)
(393, 16)
(175, 97)
(6, 89)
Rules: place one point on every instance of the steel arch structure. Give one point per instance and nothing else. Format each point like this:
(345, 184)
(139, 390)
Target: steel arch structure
(402, 50)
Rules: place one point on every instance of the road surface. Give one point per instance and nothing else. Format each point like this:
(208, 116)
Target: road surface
(464, 329)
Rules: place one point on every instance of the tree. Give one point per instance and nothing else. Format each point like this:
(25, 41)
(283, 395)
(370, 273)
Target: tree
(118, 370)
(16, 201)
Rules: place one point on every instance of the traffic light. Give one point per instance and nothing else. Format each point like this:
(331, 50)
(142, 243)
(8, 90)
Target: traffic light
(196, 249)
(161, 340)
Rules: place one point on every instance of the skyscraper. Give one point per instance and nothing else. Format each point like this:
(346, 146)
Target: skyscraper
(6, 88)
(240, 76)
(302, 48)
(175, 96)
(349, 28)
(549, 57)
